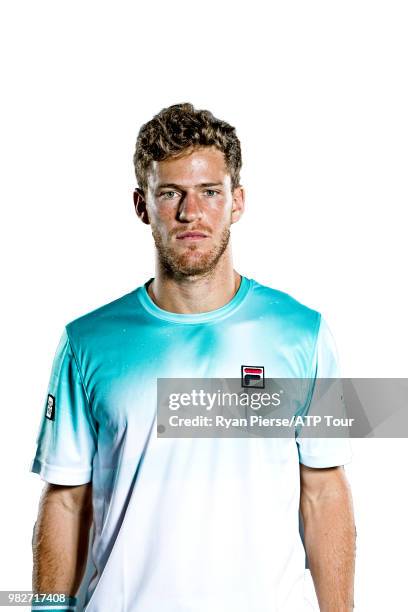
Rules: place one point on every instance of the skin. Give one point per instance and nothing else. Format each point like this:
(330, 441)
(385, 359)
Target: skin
(191, 192)
(330, 535)
(188, 193)
(60, 538)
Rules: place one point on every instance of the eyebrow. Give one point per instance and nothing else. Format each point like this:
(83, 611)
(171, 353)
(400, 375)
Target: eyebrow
(175, 186)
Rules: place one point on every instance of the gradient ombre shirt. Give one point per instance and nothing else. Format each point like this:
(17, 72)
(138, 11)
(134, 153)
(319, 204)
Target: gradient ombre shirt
(186, 524)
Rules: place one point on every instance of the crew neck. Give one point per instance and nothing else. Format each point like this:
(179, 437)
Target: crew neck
(199, 317)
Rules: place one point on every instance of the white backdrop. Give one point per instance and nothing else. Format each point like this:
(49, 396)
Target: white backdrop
(318, 93)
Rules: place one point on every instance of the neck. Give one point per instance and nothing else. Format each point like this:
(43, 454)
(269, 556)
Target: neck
(195, 294)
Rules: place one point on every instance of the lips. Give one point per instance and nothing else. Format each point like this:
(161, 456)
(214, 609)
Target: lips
(191, 235)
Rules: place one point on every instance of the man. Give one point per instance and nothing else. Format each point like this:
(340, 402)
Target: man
(188, 524)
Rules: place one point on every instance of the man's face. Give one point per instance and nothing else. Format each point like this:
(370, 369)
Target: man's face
(190, 207)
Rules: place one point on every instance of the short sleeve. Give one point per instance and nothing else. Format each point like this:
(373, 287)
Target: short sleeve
(326, 452)
(66, 440)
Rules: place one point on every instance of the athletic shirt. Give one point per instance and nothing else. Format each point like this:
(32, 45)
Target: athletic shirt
(184, 524)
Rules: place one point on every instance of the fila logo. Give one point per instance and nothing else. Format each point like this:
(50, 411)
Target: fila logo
(253, 376)
(50, 409)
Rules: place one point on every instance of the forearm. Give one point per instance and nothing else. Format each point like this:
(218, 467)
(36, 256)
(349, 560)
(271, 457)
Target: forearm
(60, 546)
(330, 535)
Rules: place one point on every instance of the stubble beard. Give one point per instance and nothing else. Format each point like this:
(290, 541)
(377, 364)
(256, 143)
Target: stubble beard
(186, 263)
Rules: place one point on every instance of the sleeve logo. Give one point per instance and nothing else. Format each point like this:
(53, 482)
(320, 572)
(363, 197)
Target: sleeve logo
(50, 409)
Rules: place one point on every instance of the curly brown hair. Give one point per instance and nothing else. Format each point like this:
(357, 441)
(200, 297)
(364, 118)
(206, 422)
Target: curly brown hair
(180, 127)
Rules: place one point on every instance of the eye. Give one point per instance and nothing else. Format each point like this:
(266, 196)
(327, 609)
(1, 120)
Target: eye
(210, 192)
(168, 195)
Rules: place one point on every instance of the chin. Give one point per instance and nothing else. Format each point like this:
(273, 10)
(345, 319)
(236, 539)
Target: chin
(189, 266)
(193, 260)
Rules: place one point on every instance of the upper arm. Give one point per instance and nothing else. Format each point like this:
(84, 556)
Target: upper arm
(326, 398)
(320, 483)
(67, 438)
(74, 499)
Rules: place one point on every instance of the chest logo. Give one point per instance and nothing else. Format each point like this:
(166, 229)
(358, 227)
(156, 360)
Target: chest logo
(253, 376)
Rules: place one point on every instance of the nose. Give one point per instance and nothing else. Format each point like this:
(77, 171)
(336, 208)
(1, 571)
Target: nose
(189, 209)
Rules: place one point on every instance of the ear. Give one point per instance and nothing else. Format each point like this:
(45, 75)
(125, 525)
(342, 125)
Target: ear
(238, 204)
(140, 205)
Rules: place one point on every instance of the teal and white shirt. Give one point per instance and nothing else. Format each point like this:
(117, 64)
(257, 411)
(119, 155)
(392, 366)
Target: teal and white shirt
(186, 524)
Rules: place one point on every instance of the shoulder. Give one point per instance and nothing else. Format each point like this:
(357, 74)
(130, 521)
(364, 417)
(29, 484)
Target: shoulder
(285, 308)
(105, 319)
